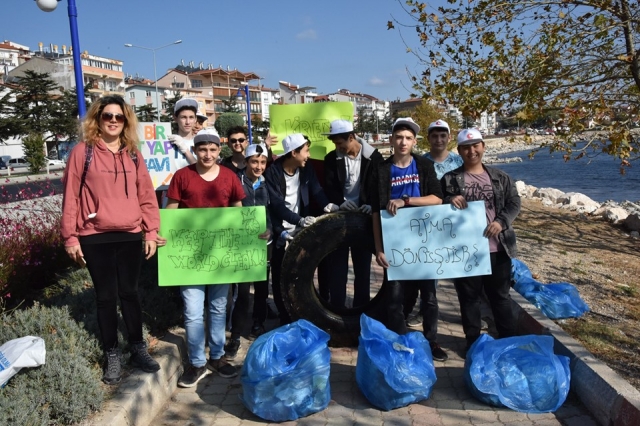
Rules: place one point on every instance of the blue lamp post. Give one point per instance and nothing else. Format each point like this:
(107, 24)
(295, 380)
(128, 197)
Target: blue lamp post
(239, 96)
(49, 6)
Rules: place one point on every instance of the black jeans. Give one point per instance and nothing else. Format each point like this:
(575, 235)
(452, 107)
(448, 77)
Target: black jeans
(239, 307)
(428, 307)
(496, 286)
(332, 283)
(276, 269)
(115, 269)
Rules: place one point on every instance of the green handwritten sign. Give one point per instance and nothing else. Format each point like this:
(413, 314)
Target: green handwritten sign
(212, 246)
(309, 119)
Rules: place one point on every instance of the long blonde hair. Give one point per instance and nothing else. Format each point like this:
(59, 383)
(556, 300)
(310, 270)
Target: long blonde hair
(90, 130)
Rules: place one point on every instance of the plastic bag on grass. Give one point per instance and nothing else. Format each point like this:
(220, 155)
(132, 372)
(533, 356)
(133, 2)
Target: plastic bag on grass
(519, 270)
(557, 300)
(392, 370)
(16, 354)
(521, 373)
(285, 374)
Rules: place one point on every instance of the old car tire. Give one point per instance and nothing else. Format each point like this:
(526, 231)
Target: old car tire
(301, 260)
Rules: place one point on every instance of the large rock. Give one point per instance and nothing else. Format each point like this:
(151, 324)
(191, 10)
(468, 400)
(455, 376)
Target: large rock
(551, 194)
(521, 187)
(632, 222)
(580, 201)
(615, 214)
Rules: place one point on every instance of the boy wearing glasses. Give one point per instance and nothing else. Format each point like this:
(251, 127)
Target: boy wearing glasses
(205, 184)
(237, 142)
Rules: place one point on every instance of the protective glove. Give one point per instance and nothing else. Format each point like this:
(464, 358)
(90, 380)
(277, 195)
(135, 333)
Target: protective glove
(359, 139)
(349, 206)
(286, 236)
(306, 221)
(330, 208)
(181, 144)
(365, 208)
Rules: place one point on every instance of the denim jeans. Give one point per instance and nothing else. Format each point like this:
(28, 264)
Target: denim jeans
(193, 297)
(335, 268)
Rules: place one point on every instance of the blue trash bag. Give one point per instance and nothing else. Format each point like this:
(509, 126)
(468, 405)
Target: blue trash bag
(392, 370)
(557, 300)
(521, 373)
(285, 374)
(519, 270)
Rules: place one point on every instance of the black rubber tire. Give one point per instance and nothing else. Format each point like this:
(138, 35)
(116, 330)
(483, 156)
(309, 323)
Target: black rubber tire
(301, 259)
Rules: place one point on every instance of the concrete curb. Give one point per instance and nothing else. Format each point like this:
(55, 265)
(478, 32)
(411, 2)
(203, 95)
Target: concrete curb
(141, 396)
(609, 398)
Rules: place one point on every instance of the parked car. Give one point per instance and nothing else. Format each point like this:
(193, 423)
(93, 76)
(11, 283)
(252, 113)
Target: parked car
(3, 165)
(18, 163)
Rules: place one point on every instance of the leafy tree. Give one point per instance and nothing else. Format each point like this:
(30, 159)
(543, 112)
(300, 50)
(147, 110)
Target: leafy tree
(34, 152)
(260, 128)
(579, 59)
(230, 104)
(37, 106)
(227, 120)
(8, 125)
(167, 116)
(146, 113)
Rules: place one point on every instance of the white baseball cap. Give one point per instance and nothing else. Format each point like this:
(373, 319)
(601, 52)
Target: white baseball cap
(439, 124)
(406, 121)
(207, 136)
(292, 142)
(256, 149)
(183, 103)
(202, 117)
(469, 136)
(338, 127)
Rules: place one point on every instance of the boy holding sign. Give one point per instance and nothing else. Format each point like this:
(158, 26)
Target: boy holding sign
(406, 180)
(475, 182)
(205, 184)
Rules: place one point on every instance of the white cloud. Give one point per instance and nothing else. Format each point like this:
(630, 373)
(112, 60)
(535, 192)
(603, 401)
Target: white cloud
(375, 81)
(307, 35)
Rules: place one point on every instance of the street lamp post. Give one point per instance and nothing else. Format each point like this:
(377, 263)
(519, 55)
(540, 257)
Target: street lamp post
(239, 96)
(155, 75)
(49, 6)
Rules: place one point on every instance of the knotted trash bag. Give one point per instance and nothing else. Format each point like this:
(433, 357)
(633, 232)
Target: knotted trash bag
(521, 373)
(519, 270)
(393, 370)
(16, 354)
(285, 374)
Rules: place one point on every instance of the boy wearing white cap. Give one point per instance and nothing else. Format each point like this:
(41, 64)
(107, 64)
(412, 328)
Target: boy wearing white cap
(199, 124)
(257, 194)
(444, 161)
(205, 184)
(292, 184)
(405, 180)
(475, 181)
(184, 113)
(347, 172)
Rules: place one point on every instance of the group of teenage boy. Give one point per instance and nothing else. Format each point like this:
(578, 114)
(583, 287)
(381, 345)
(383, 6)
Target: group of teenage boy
(356, 178)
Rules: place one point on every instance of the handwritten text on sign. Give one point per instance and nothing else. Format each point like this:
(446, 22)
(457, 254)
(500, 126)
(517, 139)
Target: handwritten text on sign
(158, 152)
(212, 246)
(436, 242)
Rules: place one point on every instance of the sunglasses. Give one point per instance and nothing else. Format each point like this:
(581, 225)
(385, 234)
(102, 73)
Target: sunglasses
(235, 141)
(108, 116)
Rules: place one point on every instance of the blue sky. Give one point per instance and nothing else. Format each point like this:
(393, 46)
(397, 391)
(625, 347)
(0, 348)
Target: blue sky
(328, 44)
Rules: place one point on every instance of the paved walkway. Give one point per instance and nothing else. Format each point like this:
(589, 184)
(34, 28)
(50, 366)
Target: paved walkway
(215, 401)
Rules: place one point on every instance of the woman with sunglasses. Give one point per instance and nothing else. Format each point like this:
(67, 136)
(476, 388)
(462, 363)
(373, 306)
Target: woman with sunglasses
(109, 217)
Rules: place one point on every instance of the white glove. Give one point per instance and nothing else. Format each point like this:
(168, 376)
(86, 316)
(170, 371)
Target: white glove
(329, 208)
(359, 139)
(365, 208)
(307, 221)
(349, 206)
(181, 144)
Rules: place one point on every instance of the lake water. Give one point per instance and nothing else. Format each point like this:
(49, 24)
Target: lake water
(598, 178)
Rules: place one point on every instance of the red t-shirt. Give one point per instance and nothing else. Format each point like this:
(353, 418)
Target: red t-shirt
(188, 187)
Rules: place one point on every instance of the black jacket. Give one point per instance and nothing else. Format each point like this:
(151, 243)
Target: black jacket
(256, 197)
(381, 193)
(335, 173)
(309, 187)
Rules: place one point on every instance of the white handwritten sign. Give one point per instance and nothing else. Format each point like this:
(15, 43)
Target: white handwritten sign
(159, 153)
(436, 242)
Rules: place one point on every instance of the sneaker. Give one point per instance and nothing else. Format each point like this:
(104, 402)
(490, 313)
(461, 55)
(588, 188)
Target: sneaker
(140, 358)
(192, 376)
(222, 367)
(415, 320)
(112, 368)
(437, 352)
(231, 348)
(256, 331)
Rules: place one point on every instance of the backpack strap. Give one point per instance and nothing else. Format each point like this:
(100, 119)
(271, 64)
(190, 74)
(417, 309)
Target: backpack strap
(88, 156)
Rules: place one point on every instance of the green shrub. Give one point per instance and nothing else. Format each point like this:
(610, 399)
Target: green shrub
(67, 388)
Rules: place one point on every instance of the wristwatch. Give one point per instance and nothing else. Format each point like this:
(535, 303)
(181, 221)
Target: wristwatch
(405, 198)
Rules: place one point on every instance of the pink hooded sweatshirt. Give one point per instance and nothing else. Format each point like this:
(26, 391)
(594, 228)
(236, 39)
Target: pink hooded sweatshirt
(117, 195)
